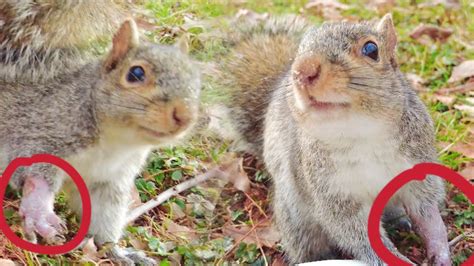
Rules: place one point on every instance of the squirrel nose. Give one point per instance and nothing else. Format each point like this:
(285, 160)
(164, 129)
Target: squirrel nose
(177, 119)
(307, 72)
(180, 114)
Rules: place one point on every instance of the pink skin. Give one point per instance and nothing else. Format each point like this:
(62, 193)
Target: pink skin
(37, 210)
(431, 228)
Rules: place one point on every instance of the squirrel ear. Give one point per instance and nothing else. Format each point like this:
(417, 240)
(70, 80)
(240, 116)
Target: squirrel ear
(124, 40)
(387, 29)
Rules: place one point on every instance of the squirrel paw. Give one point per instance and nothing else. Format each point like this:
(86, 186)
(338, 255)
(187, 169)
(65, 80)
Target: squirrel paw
(36, 209)
(129, 256)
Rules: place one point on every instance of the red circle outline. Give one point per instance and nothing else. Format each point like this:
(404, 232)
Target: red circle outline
(418, 172)
(83, 191)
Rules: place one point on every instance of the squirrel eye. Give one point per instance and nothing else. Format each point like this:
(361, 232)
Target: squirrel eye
(371, 50)
(135, 74)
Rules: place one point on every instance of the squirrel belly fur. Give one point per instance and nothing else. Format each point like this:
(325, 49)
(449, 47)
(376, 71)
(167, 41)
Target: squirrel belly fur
(334, 119)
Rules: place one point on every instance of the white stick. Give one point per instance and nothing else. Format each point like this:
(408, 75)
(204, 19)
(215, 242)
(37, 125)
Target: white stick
(171, 192)
(460, 237)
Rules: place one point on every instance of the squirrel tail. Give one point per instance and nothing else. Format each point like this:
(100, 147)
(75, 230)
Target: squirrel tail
(41, 35)
(260, 54)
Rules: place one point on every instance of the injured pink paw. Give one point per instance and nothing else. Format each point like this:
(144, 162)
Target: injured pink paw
(37, 211)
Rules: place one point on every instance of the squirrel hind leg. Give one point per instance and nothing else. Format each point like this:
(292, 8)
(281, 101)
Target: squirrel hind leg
(303, 243)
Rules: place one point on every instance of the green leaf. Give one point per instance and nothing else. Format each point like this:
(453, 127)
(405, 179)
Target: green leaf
(165, 262)
(177, 175)
(159, 178)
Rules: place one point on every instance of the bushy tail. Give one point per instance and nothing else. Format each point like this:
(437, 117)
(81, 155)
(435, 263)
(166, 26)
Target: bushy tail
(39, 38)
(260, 55)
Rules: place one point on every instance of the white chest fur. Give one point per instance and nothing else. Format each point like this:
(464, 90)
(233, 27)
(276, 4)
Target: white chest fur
(114, 158)
(364, 152)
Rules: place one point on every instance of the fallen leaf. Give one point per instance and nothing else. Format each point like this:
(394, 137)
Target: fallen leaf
(236, 175)
(317, 4)
(250, 15)
(449, 4)
(176, 211)
(136, 201)
(90, 251)
(468, 171)
(467, 149)
(465, 108)
(179, 230)
(447, 100)
(264, 236)
(4, 262)
(328, 9)
(434, 32)
(199, 205)
(382, 5)
(467, 87)
(462, 71)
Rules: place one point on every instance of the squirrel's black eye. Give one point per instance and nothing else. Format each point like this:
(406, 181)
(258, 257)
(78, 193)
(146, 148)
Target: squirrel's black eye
(135, 74)
(371, 50)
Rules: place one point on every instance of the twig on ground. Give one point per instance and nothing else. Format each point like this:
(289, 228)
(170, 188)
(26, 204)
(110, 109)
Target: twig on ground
(221, 172)
(460, 237)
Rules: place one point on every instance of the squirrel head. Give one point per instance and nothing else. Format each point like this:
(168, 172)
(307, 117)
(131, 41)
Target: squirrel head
(348, 70)
(152, 89)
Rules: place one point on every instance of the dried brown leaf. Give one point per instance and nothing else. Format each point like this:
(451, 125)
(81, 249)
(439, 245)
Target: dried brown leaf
(179, 230)
(136, 201)
(462, 71)
(434, 32)
(265, 236)
(468, 171)
(382, 5)
(447, 100)
(176, 211)
(90, 251)
(449, 4)
(250, 15)
(318, 4)
(467, 149)
(467, 87)
(138, 244)
(328, 9)
(465, 108)
(236, 175)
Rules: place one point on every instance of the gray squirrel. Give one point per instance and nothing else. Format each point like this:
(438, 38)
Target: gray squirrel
(104, 119)
(334, 120)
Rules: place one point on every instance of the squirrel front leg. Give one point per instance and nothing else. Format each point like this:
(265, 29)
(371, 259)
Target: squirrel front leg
(110, 201)
(39, 185)
(421, 203)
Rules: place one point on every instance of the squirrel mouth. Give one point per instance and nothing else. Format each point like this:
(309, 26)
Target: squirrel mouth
(318, 105)
(155, 133)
